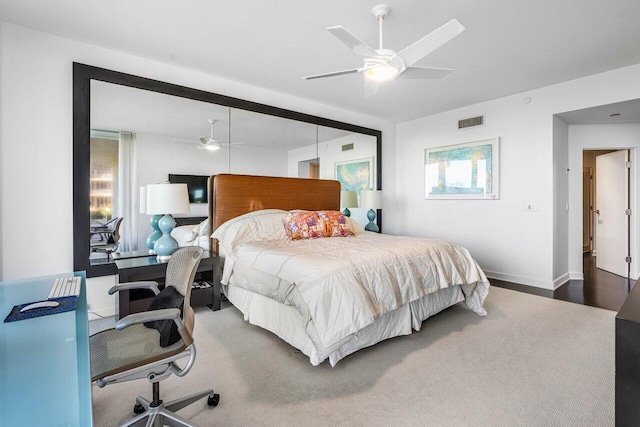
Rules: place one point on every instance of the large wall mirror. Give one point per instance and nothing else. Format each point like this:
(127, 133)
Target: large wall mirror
(131, 131)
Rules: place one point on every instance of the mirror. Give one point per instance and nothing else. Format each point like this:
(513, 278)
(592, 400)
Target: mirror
(165, 123)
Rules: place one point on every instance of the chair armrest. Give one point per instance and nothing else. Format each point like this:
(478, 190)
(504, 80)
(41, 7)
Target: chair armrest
(152, 315)
(152, 286)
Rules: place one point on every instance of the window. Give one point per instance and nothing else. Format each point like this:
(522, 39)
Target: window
(103, 177)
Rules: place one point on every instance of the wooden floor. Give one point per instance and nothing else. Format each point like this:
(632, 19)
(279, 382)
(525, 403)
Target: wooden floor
(599, 288)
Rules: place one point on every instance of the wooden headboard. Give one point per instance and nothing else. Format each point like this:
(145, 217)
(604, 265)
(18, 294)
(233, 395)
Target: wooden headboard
(234, 195)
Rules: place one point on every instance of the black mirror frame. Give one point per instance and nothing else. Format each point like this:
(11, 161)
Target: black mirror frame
(82, 76)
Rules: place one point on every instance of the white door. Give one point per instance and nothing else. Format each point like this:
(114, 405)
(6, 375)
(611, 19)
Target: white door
(611, 219)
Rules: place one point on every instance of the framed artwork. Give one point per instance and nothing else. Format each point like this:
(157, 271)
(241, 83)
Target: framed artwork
(463, 171)
(355, 175)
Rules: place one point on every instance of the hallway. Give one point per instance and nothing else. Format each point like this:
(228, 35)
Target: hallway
(599, 289)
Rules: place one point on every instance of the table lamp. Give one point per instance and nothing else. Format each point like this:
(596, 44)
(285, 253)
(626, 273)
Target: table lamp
(348, 199)
(372, 200)
(165, 200)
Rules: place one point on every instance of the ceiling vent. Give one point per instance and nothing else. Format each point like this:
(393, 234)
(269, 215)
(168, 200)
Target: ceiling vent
(347, 147)
(473, 121)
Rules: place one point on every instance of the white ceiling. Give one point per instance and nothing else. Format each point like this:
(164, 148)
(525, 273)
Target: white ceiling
(621, 112)
(508, 47)
(120, 108)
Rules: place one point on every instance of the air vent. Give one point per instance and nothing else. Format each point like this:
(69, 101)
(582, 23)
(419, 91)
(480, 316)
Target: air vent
(347, 147)
(473, 121)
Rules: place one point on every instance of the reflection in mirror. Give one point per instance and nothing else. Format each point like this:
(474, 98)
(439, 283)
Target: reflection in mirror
(350, 158)
(264, 143)
(151, 135)
(131, 131)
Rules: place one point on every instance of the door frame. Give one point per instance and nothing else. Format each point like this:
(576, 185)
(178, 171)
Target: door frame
(633, 220)
(589, 171)
(622, 248)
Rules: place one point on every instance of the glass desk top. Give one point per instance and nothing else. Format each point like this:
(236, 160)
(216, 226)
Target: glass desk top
(44, 362)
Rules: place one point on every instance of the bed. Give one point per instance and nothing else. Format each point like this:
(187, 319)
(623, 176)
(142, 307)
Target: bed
(329, 296)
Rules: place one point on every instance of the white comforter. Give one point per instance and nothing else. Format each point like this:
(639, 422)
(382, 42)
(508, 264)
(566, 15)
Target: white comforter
(342, 284)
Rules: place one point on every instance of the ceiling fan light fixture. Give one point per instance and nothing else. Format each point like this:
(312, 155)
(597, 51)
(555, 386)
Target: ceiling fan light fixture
(382, 73)
(211, 147)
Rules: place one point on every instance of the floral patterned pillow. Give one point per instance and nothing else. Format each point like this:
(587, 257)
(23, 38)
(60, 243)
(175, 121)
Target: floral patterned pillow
(314, 224)
(339, 225)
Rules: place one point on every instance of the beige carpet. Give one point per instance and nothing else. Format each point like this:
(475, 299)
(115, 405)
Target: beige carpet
(532, 361)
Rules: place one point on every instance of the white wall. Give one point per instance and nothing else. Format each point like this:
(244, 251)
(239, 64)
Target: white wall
(36, 218)
(508, 242)
(595, 137)
(560, 202)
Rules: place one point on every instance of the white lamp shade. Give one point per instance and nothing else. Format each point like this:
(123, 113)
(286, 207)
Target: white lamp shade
(348, 199)
(143, 199)
(167, 199)
(371, 199)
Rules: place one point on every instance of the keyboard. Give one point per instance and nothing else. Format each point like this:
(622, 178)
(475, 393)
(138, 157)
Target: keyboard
(64, 287)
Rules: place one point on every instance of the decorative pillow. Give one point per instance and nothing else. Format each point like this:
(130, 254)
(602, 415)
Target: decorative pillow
(314, 224)
(167, 298)
(339, 225)
(305, 225)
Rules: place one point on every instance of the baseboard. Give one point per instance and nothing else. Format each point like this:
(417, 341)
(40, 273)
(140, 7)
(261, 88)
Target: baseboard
(576, 275)
(529, 281)
(559, 281)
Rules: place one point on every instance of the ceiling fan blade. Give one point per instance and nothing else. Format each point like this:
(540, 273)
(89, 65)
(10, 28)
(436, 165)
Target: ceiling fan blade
(418, 50)
(184, 141)
(203, 140)
(351, 41)
(425, 73)
(370, 88)
(335, 73)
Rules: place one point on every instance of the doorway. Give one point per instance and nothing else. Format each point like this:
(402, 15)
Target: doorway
(606, 203)
(309, 168)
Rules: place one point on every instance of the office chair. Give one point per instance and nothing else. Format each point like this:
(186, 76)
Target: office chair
(132, 351)
(109, 237)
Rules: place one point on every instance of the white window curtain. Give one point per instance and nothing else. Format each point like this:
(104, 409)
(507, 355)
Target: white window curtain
(127, 192)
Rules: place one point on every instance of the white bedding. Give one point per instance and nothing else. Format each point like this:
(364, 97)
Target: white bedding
(192, 235)
(341, 285)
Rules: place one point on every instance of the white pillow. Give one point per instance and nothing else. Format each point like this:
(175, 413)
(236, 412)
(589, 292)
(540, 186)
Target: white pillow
(355, 226)
(184, 233)
(257, 226)
(202, 229)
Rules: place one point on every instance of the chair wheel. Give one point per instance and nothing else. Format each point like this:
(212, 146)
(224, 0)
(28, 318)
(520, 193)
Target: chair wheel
(138, 408)
(213, 400)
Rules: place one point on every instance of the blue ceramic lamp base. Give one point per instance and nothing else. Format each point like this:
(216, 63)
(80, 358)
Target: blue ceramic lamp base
(165, 245)
(155, 234)
(372, 226)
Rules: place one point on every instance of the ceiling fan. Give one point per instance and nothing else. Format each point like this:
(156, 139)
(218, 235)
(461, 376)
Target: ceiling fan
(382, 64)
(210, 143)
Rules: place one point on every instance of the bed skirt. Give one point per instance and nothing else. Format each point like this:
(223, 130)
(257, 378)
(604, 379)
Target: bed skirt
(287, 323)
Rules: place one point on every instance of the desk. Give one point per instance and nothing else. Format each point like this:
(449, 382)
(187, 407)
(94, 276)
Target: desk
(627, 357)
(134, 254)
(44, 362)
(149, 268)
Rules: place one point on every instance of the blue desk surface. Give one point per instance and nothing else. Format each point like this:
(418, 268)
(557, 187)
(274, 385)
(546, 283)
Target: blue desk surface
(44, 362)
